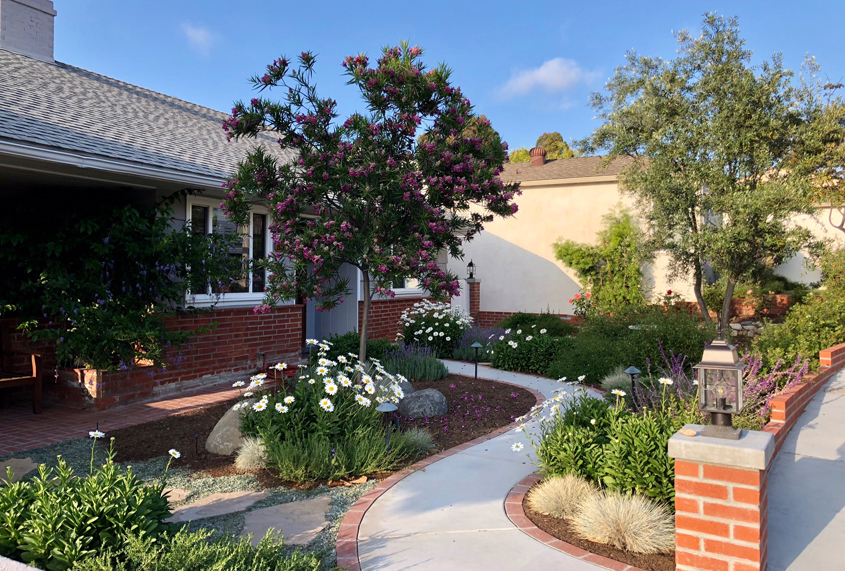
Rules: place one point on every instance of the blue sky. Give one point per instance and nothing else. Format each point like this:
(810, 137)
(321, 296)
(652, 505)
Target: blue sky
(528, 66)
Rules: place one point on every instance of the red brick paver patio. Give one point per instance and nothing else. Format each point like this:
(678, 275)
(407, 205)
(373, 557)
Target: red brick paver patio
(22, 430)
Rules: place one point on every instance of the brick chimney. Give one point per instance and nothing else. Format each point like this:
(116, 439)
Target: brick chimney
(537, 154)
(26, 27)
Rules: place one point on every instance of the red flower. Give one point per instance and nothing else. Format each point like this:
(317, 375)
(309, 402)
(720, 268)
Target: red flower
(588, 295)
(577, 296)
(669, 292)
(570, 300)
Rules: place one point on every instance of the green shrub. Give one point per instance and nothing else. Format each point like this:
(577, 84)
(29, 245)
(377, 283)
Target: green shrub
(607, 342)
(832, 265)
(528, 350)
(815, 324)
(184, 551)
(414, 362)
(528, 322)
(314, 457)
(613, 447)
(484, 336)
(349, 343)
(57, 519)
(435, 325)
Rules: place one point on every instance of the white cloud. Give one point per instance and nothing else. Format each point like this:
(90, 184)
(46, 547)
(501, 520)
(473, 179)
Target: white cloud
(553, 76)
(201, 39)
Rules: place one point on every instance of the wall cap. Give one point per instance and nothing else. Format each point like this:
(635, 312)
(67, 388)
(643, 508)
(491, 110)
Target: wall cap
(753, 450)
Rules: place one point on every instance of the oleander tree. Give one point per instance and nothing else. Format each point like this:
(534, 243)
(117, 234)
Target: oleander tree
(713, 139)
(385, 190)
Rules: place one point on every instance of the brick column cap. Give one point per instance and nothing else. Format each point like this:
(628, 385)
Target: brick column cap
(472, 280)
(753, 450)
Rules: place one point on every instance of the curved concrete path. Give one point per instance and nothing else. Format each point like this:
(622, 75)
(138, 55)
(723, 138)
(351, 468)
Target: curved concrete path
(451, 514)
(807, 488)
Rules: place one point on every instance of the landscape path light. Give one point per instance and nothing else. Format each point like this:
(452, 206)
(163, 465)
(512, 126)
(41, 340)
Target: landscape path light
(471, 268)
(634, 372)
(720, 388)
(476, 346)
(387, 408)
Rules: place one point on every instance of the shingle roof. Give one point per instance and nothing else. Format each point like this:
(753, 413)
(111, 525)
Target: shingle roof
(62, 106)
(576, 167)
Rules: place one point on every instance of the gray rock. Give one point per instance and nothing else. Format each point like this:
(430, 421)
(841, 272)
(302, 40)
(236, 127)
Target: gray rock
(427, 402)
(298, 522)
(736, 326)
(221, 503)
(226, 436)
(407, 388)
(20, 468)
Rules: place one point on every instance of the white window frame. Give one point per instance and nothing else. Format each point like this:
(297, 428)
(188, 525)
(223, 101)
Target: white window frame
(240, 299)
(408, 291)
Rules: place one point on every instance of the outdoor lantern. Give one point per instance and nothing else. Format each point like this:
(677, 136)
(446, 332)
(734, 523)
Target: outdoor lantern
(720, 388)
(633, 371)
(470, 270)
(476, 346)
(387, 407)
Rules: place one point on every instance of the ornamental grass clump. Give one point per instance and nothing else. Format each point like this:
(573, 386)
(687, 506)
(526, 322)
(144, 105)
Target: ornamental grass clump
(630, 522)
(434, 324)
(560, 496)
(251, 455)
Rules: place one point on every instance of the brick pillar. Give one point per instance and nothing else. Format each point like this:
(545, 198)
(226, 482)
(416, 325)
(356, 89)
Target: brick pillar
(720, 501)
(474, 286)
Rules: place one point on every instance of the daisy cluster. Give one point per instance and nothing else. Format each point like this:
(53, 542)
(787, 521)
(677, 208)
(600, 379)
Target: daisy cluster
(341, 378)
(433, 324)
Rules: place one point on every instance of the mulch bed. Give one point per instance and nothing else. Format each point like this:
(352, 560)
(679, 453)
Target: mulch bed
(559, 528)
(476, 408)
(154, 439)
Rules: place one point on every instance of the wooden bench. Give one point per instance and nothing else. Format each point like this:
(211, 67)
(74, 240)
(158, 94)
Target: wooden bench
(10, 379)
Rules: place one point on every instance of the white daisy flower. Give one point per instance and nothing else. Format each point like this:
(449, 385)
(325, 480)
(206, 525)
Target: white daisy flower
(581, 378)
(665, 381)
(618, 392)
(259, 406)
(95, 434)
(542, 331)
(248, 394)
(258, 377)
(311, 381)
(593, 421)
(326, 405)
(529, 338)
(322, 371)
(281, 408)
(173, 452)
(342, 359)
(501, 337)
(448, 338)
(311, 341)
(362, 400)
(280, 366)
(289, 399)
(695, 383)
(331, 389)
(238, 384)
(237, 407)
(429, 338)
(369, 388)
(517, 447)
(324, 362)
(519, 428)
(519, 331)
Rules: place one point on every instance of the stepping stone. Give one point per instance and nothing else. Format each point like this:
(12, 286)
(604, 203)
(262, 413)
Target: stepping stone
(298, 522)
(20, 466)
(216, 504)
(177, 495)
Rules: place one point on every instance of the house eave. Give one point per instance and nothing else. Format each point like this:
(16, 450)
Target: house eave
(26, 151)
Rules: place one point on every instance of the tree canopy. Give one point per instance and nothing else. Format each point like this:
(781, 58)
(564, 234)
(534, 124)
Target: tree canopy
(368, 191)
(712, 137)
(556, 147)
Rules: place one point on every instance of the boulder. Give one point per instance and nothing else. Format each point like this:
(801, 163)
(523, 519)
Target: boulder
(407, 388)
(736, 326)
(226, 436)
(424, 403)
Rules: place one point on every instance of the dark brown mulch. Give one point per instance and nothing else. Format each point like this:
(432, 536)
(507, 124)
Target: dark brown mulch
(476, 408)
(559, 528)
(154, 439)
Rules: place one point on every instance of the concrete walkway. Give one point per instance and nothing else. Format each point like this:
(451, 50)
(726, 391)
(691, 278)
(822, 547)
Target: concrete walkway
(807, 488)
(451, 514)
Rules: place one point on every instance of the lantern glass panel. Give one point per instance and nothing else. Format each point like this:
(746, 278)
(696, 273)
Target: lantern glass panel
(718, 384)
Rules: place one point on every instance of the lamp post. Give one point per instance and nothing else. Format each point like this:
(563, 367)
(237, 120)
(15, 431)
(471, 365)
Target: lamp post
(387, 407)
(471, 267)
(633, 371)
(720, 388)
(476, 346)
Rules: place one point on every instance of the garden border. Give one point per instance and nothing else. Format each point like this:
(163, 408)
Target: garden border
(516, 513)
(347, 534)
(788, 407)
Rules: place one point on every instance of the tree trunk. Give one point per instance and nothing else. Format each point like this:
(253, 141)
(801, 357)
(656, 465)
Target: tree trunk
(726, 305)
(365, 319)
(702, 306)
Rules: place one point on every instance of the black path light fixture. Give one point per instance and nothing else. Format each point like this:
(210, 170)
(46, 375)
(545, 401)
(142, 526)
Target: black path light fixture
(476, 346)
(634, 372)
(387, 408)
(471, 268)
(720, 388)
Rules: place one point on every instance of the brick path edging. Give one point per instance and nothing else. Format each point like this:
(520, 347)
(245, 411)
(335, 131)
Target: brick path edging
(516, 513)
(347, 534)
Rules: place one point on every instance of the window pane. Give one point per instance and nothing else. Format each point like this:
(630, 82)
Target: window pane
(222, 225)
(259, 249)
(398, 284)
(199, 219)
